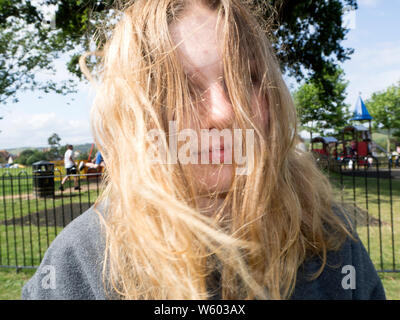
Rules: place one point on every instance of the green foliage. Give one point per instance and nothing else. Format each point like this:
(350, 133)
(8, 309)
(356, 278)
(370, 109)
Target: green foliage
(62, 150)
(316, 112)
(83, 156)
(37, 156)
(27, 47)
(27, 157)
(384, 107)
(54, 140)
(23, 157)
(306, 35)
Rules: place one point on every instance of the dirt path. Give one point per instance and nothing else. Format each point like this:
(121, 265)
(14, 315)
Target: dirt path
(58, 216)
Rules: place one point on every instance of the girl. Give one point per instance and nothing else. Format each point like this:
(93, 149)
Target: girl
(196, 219)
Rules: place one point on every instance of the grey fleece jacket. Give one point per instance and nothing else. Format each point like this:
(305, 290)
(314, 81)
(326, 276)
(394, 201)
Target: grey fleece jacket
(72, 269)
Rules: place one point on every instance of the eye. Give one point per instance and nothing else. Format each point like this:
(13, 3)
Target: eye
(224, 86)
(255, 78)
(195, 91)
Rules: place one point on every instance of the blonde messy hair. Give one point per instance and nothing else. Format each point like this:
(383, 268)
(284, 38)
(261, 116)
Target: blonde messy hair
(158, 244)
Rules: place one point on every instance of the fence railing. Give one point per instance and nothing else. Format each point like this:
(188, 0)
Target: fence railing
(33, 213)
(372, 187)
(29, 222)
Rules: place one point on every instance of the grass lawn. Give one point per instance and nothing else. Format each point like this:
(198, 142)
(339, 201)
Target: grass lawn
(11, 284)
(378, 223)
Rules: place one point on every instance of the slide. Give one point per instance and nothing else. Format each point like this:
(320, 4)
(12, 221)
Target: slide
(378, 147)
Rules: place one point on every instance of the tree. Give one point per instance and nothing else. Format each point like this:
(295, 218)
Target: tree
(35, 157)
(62, 149)
(26, 47)
(384, 107)
(306, 34)
(54, 140)
(83, 156)
(24, 155)
(316, 112)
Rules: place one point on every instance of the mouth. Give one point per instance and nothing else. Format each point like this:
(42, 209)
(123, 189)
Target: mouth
(217, 154)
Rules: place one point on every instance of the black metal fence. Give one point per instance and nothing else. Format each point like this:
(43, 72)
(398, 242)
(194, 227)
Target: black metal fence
(372, 187)
(33, 210)
(31, 219)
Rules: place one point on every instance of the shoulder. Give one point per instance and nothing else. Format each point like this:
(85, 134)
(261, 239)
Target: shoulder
(348, 274)
(83, 232)
(72, 266)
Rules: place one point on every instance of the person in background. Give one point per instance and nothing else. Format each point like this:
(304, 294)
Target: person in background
(353, 148)
(70, 167)
(97, 162)
(397, 156)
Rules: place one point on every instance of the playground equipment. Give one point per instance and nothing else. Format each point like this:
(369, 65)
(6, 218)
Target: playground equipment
(92, 173)
(357, 147)
(324, 150)
(327, 146)
(357, 139)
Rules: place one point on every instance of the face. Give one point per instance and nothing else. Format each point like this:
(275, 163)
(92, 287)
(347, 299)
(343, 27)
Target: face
(200, 51)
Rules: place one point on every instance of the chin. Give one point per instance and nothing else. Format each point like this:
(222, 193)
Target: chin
(213, 178)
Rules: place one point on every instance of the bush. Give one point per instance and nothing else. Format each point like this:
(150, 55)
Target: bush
(24, 155)
(27, 157)
(37, 156)
(83, 156)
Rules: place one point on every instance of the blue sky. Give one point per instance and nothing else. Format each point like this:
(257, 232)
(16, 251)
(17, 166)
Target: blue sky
(374, 66)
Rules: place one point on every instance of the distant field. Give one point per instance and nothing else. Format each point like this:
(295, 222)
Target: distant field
(80, 147)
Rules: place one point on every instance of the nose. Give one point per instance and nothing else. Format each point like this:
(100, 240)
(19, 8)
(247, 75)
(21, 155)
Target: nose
(218, 107)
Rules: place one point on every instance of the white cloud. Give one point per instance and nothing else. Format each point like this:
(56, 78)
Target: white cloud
(372, 69)
(61, 73)
(381, 55)
(39, 121)
(368, 3)
(21, 129)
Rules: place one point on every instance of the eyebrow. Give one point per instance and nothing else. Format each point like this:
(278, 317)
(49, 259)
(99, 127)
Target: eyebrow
(195, 76)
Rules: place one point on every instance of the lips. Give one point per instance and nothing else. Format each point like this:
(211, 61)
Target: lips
(220, 154)
(217, 154)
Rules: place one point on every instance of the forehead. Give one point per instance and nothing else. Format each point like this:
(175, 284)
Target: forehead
(199, 42)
